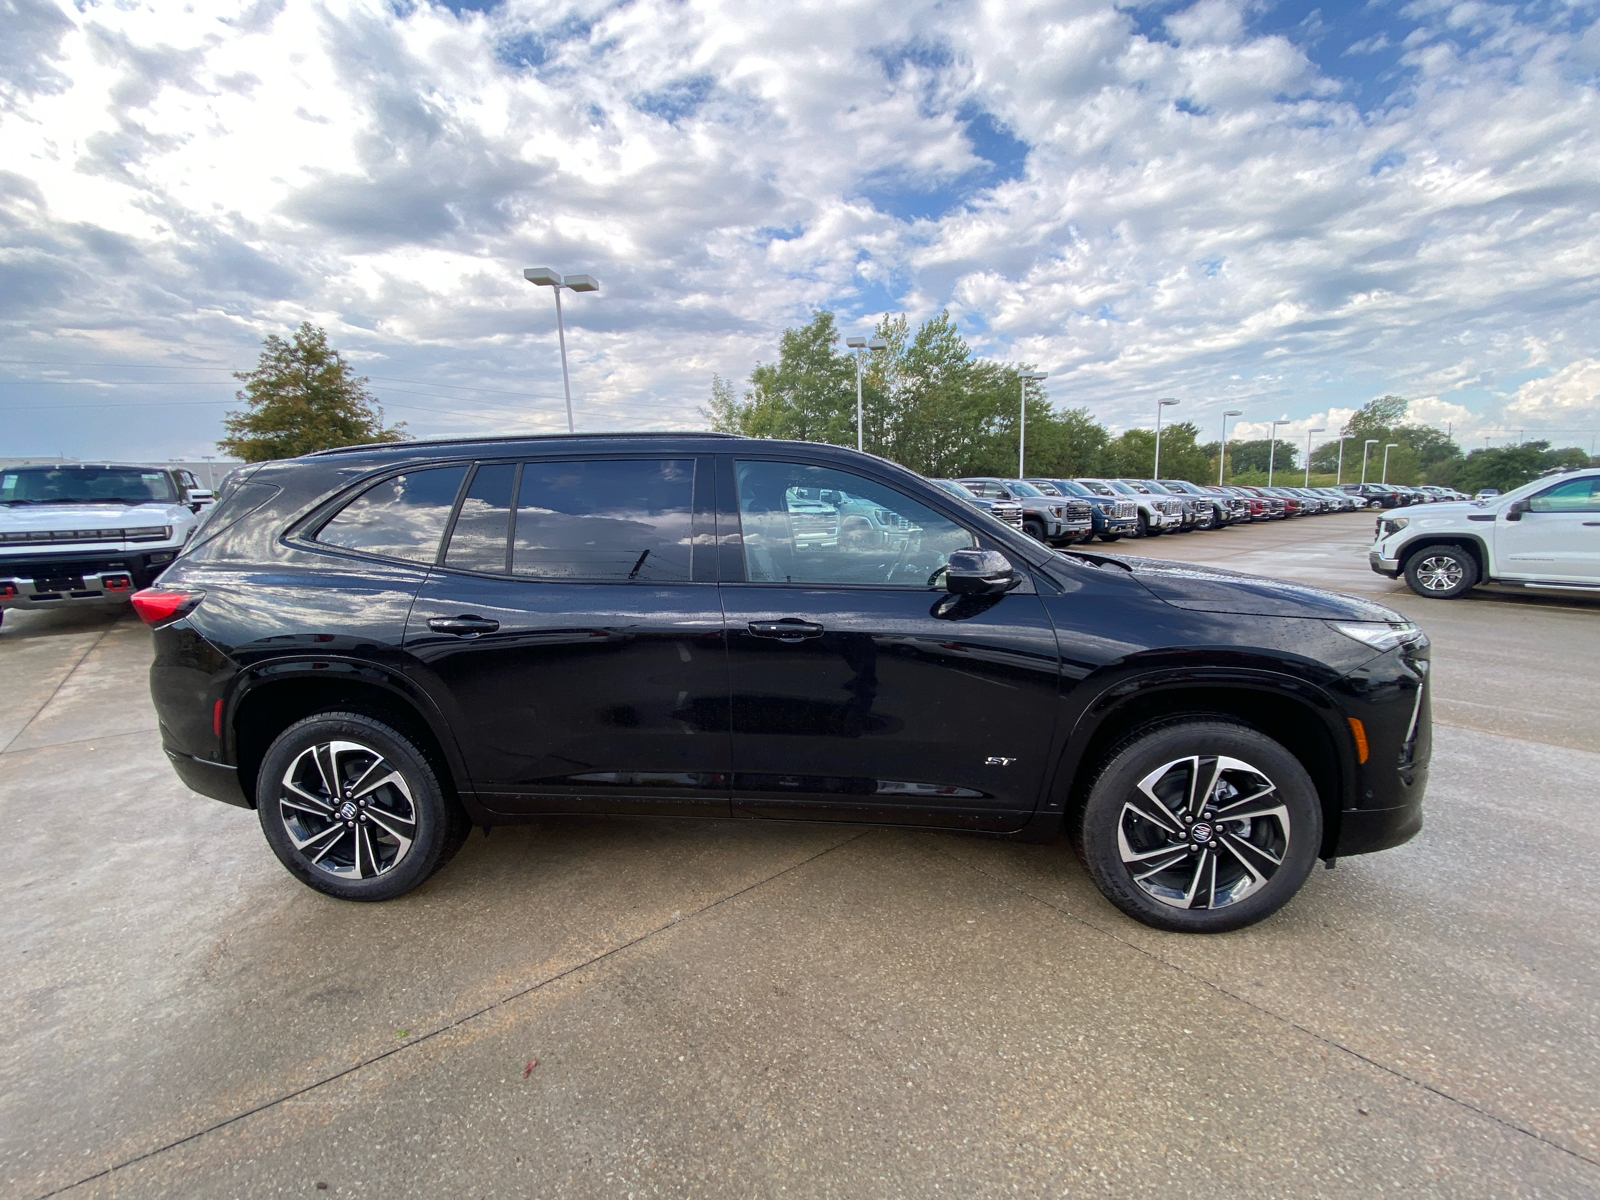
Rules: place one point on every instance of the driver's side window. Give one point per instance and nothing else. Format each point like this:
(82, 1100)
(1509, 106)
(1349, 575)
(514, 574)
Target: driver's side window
(1576, 495)
(815, 525)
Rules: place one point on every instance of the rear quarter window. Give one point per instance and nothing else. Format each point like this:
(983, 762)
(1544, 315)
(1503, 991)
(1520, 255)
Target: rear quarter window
(401, 517)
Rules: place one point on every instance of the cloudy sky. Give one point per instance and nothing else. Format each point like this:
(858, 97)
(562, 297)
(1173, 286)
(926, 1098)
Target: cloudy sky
(1274, 207)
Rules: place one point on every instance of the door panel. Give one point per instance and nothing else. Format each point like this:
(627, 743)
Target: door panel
(860, 689)
(582, 665)
(1558, 539)
(586, 697)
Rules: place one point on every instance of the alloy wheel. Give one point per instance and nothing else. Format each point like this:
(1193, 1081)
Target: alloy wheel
(347, 810)
(1439, 573)
(1203, 832)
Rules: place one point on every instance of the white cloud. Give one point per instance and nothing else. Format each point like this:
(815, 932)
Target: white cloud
(1569, 399)
(1212, 217)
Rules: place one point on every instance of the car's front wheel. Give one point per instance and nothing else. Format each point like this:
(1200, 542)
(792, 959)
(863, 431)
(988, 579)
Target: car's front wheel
(354, 809)
(1200, 825)
(1441, 572)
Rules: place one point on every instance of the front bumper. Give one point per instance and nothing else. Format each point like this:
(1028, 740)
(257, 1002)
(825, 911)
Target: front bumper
(74, 581)
(1382, 565)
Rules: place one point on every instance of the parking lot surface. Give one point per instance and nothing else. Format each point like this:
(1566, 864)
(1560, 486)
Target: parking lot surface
(701, 1008)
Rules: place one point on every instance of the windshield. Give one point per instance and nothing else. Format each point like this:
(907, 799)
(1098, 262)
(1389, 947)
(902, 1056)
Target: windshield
(1068, 488)
(1096, 487)
(1047, 488)
(1117, 485)
(86, 485)
(1156, 489)
(1178, 485)
(1023, 489)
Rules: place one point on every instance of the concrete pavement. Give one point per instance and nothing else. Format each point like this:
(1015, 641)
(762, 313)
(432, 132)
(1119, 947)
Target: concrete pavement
(749, 1009)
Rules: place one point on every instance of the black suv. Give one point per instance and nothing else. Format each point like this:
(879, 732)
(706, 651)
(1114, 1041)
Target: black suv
(378, 647)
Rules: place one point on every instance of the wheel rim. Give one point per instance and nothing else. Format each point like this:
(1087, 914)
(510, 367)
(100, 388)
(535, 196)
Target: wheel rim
(348, 810)
(1203, 832)
(1437, 573)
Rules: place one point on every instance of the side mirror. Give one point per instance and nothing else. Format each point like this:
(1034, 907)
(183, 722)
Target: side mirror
(979, 573)
(1518, 507)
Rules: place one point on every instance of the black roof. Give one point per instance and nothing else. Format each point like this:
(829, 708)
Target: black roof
(535, 438)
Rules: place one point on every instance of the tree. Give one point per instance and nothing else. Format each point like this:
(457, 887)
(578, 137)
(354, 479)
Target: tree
(1506, 467)
(1246, 458)
(301, 397)
(1420, 450)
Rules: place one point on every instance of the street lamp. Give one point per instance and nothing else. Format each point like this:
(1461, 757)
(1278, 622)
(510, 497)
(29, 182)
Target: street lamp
(1366, 452)
(1386, 450)
(211, 480)
(1339, 478)
(1222, 458)
(1160, 404)
(1026, 377)
(547, 277)
(1272, 449)
(858, 344)
(1309, 432)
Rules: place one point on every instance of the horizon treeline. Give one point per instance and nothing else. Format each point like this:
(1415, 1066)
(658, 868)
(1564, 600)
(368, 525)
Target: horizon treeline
(930, 404)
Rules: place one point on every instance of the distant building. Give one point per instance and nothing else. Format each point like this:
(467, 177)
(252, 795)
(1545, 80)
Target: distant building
(209, 472)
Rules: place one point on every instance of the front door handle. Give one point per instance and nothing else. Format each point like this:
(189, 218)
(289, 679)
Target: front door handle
(789, 629)
(465, 625)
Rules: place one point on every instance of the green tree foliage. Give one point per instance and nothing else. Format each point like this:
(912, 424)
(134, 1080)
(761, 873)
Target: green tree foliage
(1506, 467)
(301, 397)
(1255, 456)
(1421, 453)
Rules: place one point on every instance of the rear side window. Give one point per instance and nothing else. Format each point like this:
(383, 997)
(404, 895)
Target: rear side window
(617, 520)
(400, 517)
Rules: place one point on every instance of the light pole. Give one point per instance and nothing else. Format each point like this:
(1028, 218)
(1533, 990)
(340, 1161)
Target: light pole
(1026, 377)
(548, 277)
(1272, 449)
(1386, 450)
(1160, 404)
(1339, 478)
(1309, 432)
(211, 480)
(858, 344)
(1366, 452)
(1222, 457)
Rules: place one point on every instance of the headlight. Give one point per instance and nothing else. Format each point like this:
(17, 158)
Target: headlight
(1379, 634)
(1393, 525)
(1056, 510)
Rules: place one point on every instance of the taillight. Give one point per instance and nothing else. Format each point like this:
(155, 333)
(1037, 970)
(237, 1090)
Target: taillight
(155, 605)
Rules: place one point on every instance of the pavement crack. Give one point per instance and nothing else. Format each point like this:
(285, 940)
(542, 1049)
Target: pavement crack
(71, 671)
(671, 922)
(1334, 1043)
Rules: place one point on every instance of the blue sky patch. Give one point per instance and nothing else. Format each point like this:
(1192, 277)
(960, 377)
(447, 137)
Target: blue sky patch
(679, 99)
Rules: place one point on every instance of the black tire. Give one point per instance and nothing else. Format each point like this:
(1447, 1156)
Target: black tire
(1110, 537)
(1144, 528)
(1441, 572)
(1034, 529)
(358, 863)
(1256, 867)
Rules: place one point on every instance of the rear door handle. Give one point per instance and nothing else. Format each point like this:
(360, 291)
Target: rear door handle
(789, 629)
(465, 625)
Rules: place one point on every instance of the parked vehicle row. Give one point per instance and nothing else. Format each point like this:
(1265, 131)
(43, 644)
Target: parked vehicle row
(1064, 512)
(376, 648)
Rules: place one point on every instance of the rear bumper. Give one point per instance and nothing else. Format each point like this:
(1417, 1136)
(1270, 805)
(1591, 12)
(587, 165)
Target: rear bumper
(216, 780)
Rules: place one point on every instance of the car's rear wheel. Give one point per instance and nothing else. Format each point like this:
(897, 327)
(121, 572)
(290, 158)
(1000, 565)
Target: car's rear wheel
(1110, 537)
(1441, 572)
(354, 809)
(1200, 825)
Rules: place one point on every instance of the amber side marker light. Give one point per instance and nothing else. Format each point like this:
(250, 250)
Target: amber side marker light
(1360, 731)
(155, 605)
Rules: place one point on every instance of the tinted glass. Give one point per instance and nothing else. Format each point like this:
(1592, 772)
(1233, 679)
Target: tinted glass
(401, 517)
(1068, 488)
(954, 488)
(1024, 489)
(1046, 488)
(478, 542)
(85, 485)
(1575, 495)
(814, 525)
(618, 520)
(1097, 487)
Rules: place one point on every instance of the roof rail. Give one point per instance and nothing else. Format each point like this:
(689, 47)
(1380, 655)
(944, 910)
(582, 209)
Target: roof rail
(529, 437)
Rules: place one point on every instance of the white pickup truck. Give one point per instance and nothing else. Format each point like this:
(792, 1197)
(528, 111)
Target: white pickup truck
(1545, 534)
(78, 534)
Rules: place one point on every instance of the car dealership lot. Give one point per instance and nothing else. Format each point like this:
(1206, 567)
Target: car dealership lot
(733, 1008)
